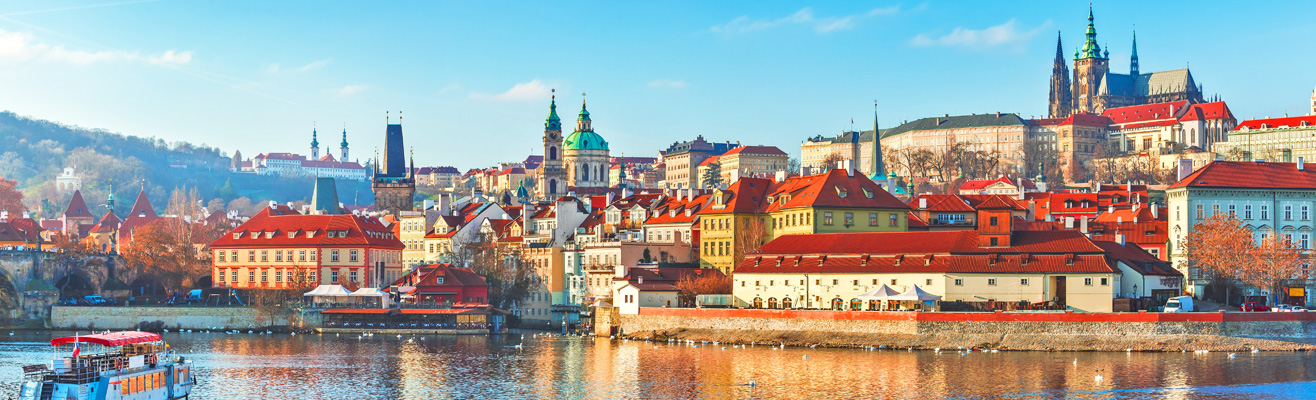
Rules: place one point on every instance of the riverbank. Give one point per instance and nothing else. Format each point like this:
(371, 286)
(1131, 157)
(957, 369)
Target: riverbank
(1231, 332)
(173, 318)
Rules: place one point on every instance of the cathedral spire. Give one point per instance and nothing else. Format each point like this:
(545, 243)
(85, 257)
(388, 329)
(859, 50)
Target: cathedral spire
(1133, 60)
(315, 144)
(877, 169)
(553, 123)
(582, 121)
(1090, 47)
(1060, 48)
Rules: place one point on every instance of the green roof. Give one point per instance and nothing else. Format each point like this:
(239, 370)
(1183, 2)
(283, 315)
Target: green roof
(956, 122)
(587, 140)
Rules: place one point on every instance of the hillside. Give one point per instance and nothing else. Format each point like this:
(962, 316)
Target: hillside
(37, 151)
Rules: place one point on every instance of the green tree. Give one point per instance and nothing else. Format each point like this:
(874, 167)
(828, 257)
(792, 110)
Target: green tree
(712, 177)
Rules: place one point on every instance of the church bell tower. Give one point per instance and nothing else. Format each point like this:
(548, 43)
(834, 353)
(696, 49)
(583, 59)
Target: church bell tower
(552, 177)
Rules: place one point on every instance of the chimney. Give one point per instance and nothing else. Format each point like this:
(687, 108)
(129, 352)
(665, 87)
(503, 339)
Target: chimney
(427, 204)
(1110, 209)
(642, 278)
(781, 176)
(1069, 222)
(1129, 186)
(922, 203)
(4, 215)
(26, 215)
(1032, 210)
(1119, 239)
(1300, 163)
(1155, 209)
(1185, 168)
(1119, 220)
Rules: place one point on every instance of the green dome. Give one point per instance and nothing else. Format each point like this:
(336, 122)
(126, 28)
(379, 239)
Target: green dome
(584, 141)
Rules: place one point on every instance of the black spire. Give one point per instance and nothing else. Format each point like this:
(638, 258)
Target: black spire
(1060, 48)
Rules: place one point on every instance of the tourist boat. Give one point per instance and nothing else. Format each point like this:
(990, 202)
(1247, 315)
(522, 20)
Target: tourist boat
(112, 365)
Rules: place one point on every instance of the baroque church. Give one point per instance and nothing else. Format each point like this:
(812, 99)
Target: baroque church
(1094, 88)
(579, 160)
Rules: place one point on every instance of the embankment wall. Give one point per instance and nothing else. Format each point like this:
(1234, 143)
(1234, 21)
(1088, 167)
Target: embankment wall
(171, 317)
(1001, 330)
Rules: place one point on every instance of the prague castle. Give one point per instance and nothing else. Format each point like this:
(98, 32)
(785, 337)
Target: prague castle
(1094, 88)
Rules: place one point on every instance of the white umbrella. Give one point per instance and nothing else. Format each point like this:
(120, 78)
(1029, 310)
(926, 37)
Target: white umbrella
(882, 293)
(915, 294)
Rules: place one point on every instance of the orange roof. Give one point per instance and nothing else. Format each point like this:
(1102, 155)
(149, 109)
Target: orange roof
(707, 161)
(271, 227)
(77, 208)
(1145, 112)
(1271, 123)
(1247, 174)
(762, 150)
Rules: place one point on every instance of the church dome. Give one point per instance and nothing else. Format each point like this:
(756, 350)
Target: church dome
(587, 140)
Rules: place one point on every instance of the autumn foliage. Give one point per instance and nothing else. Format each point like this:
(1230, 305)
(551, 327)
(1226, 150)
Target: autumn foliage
(10, 198)
(1226, 251)
(166, 249)
(693, 285)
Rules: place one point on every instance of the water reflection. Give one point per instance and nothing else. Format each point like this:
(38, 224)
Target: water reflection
(459, 367)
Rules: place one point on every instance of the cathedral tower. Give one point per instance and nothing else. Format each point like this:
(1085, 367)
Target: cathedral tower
(393, 183)
(552, 178)
(1090, 67)
(1133, 60)
(343, 146)
(1062, 98)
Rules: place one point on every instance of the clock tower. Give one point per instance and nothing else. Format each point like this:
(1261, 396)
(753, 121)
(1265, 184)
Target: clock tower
(552, 178)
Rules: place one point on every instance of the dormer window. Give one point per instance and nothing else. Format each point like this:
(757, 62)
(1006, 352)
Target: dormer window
(840, 192)
(269, 235)
(291, 234)
(310, 234)
(867, 193)
(237, 235)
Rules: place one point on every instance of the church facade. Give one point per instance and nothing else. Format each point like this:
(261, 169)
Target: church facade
(580, 160)
(1094, 88)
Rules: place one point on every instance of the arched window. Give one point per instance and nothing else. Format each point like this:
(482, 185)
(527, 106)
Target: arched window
(838, 304)
(552, 152)
(552, 185)
(786, 302)
(856, 305)
(758, 302)
(772, 302)
(584, 172)
(874, 305)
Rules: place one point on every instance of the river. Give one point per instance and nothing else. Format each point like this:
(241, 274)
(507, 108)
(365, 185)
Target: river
(281, 366)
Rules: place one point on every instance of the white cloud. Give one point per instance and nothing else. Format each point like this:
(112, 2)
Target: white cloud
(314, 65)
(348, 90)
(670, 84)
(171, 57)
(1007, 34)
(535, 89)
(272, 69)
(23, 46)
(804, 17)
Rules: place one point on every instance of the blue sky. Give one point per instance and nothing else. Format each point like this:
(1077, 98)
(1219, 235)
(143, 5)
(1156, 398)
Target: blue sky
(472, 78)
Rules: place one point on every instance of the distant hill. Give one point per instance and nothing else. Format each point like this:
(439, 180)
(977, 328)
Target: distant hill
(36, 151)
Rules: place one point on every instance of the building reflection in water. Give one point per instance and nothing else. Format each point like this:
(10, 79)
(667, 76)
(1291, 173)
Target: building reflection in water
(459, 367)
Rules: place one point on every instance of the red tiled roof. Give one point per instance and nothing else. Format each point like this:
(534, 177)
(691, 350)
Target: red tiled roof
(954, 263)
(1137, 259)
(77, 208)
(281, 219)
(916, 222)
(680, 206)
(1273, 123)
(744, 196)
(1056, 205)
(108, 223)
(1149, 124)
(283, 156)
(427, 275)
(142, 206)
(1087, 119)
(942, 203)
(707, 161)
(766, 150)
(981, 184)
(1145, 112)
(1245, 174)
(934, 242)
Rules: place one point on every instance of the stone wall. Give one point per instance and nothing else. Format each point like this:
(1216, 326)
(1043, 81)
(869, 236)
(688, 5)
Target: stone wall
(119, 318)
(1013, 331)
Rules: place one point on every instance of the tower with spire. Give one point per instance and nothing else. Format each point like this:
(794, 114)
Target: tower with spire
(1090, 67)
(1062, 96)
(315, 145)
(1133, 59)
(552, 177)
(343, 146)
(585, 154)
(877, 171)
(394, 184)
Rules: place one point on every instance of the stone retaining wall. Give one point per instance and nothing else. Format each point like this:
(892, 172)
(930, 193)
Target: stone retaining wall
(1015, 331)
(119, 318)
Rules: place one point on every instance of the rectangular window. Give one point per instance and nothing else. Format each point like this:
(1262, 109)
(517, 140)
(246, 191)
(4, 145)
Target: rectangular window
(278, 255)
(991, 281)
(1231, 210)
(834, 281)
(894, 220)
(827, 218)
(893, 282)
(993, 221)
(1023, 282)
(742, 283)
(849, 219)
(333, 276)
(872, 219)
(928, 282)
(235, 277)
(313, 253)
(221, 276)
(264, 275)
(856, 282)
(756, 283)
(1201, 212)
(1265, 211)
(251, 255)
(310, 276)
(264, 255)
(1247, 211)
(301, 255)
(222, 254)
(352, 256)
(1105, 281)
(1215, 210)
(1288, 213)
(959, 282)
(994, 241)
(1303, 241)
(352, 275)
(278, 275)
(333, 255)
(1304, 213)
(251, 276)
(1087, 281)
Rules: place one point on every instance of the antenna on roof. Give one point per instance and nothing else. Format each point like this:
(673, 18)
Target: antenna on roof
(386, 119)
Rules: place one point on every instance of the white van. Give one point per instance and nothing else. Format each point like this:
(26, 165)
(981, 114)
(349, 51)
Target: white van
(1180, 304)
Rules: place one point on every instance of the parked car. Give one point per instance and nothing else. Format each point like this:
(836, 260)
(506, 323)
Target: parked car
(195, 296)
(96, 300)
(1180, 304)
(1282, 308)
(1255, 306)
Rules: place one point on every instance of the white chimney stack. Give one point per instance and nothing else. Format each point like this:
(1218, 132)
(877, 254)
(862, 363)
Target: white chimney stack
(922, 203)
(1155, 209)
(1185, 168)
(1300, 163)
(781, 176)
(1119, 239)
(1083, 225)
(1069, 222)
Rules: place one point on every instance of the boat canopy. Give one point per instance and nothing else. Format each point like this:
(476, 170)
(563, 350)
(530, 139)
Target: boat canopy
(111, 339)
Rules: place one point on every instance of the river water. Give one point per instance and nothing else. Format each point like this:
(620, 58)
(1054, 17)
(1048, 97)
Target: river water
(281, 366)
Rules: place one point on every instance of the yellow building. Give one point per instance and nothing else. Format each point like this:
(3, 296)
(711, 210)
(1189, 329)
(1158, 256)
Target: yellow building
(1056, 268)
(753, 211)
(751, 161)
